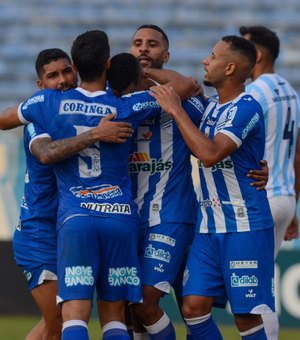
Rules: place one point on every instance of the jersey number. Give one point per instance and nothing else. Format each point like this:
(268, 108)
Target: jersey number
(89, 160)
(289, 130)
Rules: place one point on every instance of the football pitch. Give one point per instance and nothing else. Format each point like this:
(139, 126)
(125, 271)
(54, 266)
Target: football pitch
(16, 328)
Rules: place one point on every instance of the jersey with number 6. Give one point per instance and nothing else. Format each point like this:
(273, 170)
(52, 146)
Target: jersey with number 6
(281, 108)
(96, 180)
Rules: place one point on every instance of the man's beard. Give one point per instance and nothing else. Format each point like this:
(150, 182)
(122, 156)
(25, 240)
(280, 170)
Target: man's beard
(207, 83)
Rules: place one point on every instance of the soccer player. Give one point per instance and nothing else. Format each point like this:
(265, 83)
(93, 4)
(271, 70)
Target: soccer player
(281, 108)
(160, 169)
(232, 253)
(34, 240)
(92, 184)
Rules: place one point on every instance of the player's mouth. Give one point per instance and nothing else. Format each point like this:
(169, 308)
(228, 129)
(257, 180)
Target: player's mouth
(145, 61)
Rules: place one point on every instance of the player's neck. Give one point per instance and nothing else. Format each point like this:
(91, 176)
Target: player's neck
(227, 94)
(262, 69)
(94, 86)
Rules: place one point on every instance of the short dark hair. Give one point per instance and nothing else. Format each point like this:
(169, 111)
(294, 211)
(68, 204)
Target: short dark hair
(48, 55)
(90, 52)
(124, 70)
(264, 37)
(158, 29)
(243, 46)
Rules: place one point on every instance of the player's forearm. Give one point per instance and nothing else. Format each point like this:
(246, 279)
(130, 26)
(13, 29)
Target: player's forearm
(203, 148)
(48, 151)
(9, 118)
(183, 86)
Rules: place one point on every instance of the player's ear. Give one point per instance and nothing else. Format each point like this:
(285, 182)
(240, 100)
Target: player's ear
(230, 68)
(40, 84)
(259, 56)
(166, 56)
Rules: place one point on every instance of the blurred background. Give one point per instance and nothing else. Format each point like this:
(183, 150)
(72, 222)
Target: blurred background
(193, 27)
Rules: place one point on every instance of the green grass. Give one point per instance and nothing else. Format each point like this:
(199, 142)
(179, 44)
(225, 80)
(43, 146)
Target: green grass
(16, 328)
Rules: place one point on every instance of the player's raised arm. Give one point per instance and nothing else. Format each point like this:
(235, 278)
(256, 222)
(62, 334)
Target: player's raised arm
(184, 86)
(9, 118)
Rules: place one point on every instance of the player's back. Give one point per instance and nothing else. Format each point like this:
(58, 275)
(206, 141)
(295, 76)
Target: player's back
(96, 180)
(281, 108)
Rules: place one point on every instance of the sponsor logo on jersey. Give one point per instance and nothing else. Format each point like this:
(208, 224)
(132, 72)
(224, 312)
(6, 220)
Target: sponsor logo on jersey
(252, 264)
(284, 98)
(33, 100)
(141, 162)
(157, 254)
(79, 275)
(230, 116)
(155, 207)
(122, 276)
(145, 105)
(68, 107)
(159, 268)
(250, 125)
(250, 294)
(214, 202)
(147, 122)
(27, 274)
(223, 165)
(162, 238)
(104, 191)
(197, 103)
(144, 137)
(116, 208)
(243, 281)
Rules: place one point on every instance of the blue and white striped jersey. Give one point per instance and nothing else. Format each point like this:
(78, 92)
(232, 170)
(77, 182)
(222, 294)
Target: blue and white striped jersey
(281, 109)
(227, 201)
(160, 169)
(96, 180)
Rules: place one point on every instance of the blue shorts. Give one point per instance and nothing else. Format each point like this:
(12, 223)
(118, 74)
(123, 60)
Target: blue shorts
(234, 266)
(102, 253)
(37, 262)
(164, 248)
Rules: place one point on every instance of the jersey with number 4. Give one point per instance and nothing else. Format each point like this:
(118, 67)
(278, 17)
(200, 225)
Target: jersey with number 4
(228, 203)
(96, 180)
(281, 108)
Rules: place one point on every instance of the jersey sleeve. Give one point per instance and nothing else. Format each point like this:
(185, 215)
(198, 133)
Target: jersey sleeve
(194, 108)
(35, 131)
(34, 108)
(242, 119)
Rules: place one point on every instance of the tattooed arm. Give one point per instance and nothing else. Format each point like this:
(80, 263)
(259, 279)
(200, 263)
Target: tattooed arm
(48, 151)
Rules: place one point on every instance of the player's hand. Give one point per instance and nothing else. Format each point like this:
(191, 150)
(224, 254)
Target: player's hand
(261, 176)
(198, 89)
(166, 97)
(292, 231)
(113, 132)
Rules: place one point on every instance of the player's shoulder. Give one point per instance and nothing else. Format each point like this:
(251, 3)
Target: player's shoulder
(247, 103)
